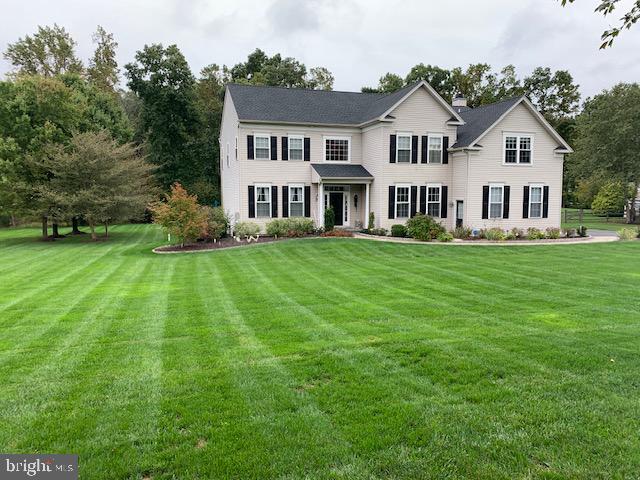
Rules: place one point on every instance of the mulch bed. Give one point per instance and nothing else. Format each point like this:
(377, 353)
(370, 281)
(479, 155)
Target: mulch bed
(227, 242)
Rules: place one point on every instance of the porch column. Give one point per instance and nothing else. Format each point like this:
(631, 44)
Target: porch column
(366, 206)
(320, 222)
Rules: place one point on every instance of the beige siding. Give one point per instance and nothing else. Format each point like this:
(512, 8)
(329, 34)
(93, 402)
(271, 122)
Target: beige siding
(229, 174)
(487, 167)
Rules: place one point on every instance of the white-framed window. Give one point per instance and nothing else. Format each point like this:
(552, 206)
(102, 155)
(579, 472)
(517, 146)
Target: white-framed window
(535, 201)
(435, 148)
(262, 147)
(263, 200)
(403, 148)
(496, 200)
(296, 200)
(295, 145)
(434, 192)
(337, 149)
(518, 148)
(403, 201)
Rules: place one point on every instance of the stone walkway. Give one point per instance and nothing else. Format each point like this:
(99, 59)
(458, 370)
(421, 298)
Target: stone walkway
(601, 237)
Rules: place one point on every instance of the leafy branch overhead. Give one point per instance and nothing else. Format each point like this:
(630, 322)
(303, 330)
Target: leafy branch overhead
(607, 7)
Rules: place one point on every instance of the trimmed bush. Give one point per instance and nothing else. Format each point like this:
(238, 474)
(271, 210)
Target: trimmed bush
(398, 230)
(338, 233)
(216, 224)
(290, 227)
(510, 236)
(277, 228)
(423, 227)
(552, 233)
(627, 234)
(329, 219)
(581, 231)
(462, 232)
(534, 233)
(246, 229)
(445, 237)
(382, 232)
(496, 234)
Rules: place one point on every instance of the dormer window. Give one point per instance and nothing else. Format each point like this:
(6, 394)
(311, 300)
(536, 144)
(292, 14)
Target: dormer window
(517, 148)
(403, 148)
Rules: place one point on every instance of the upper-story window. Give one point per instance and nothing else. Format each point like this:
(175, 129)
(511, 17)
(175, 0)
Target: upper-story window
(295, 147)
(435, 148)
(403, 148)
(262, 146)
(337, 149)
(517, 148)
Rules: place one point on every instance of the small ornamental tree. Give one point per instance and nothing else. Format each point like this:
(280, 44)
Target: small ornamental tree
(329, 219)
(181, 215)
(610, 199)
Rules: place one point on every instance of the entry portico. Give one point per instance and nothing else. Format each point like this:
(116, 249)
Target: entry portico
(346, 188)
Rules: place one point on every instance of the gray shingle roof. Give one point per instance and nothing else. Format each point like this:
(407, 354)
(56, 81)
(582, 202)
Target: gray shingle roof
(326, 170)
(294, 105)
(479, 119)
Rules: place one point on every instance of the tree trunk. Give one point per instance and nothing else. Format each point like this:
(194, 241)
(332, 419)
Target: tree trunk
(13, 220)
(74, 226)
(106, 230)
(54, 230)
(92, 227)
(45, 227)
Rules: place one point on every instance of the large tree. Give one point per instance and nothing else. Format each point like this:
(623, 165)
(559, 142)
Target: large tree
(97, 178)
(48, 52)
(607, 141)
(103, 67)
(607, 7)
(172, 122)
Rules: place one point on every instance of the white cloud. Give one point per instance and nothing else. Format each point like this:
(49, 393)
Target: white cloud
(358, 40)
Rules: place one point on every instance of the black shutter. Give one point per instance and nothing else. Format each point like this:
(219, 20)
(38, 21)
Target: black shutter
(444, 201)
(423, 199)
(545, 201)
(274, 202)
(250, 147)
(307, 149)
(285, 201)
(445, 150)
(252, 201)
(525, 202)
(414, 149)
(485, 201)
(392, 150)
(505, 201)
(307, 201)
(414, 199)
(392, 201)
(274, 148)
(285, 148)
(425, 144)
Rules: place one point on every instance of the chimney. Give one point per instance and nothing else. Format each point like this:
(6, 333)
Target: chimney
(459, 101)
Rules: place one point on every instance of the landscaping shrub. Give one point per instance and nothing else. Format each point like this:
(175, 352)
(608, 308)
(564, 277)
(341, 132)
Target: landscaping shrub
(378, 231)
(423, 227)
(398, 230)
(216, 224)
(372, 221)
(338, 233)
(627, 234)
(445, 237)
(246, 229)
(277, 228)
(290, 227)
(510, 236)
(496, 234)
(462, 232)
(180, 215)
(552, 233)
(534, 233)
(329, 219)
(581, 231)
(482, 233)
(517, 233)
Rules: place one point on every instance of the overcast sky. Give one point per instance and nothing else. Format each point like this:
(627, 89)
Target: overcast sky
(357, 40)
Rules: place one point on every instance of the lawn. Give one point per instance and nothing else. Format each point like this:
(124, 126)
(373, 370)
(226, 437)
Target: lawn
(325, 358)
(571, 219)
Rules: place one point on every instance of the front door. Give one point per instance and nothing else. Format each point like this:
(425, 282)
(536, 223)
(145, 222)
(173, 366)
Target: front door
(336, 200)
(459, 212)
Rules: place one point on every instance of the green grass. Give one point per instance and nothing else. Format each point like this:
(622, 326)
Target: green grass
(591, 221)
(327, 358)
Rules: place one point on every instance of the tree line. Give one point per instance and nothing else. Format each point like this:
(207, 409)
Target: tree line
(159, 120)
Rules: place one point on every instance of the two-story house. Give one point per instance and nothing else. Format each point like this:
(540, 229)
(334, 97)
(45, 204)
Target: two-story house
(293, 152)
